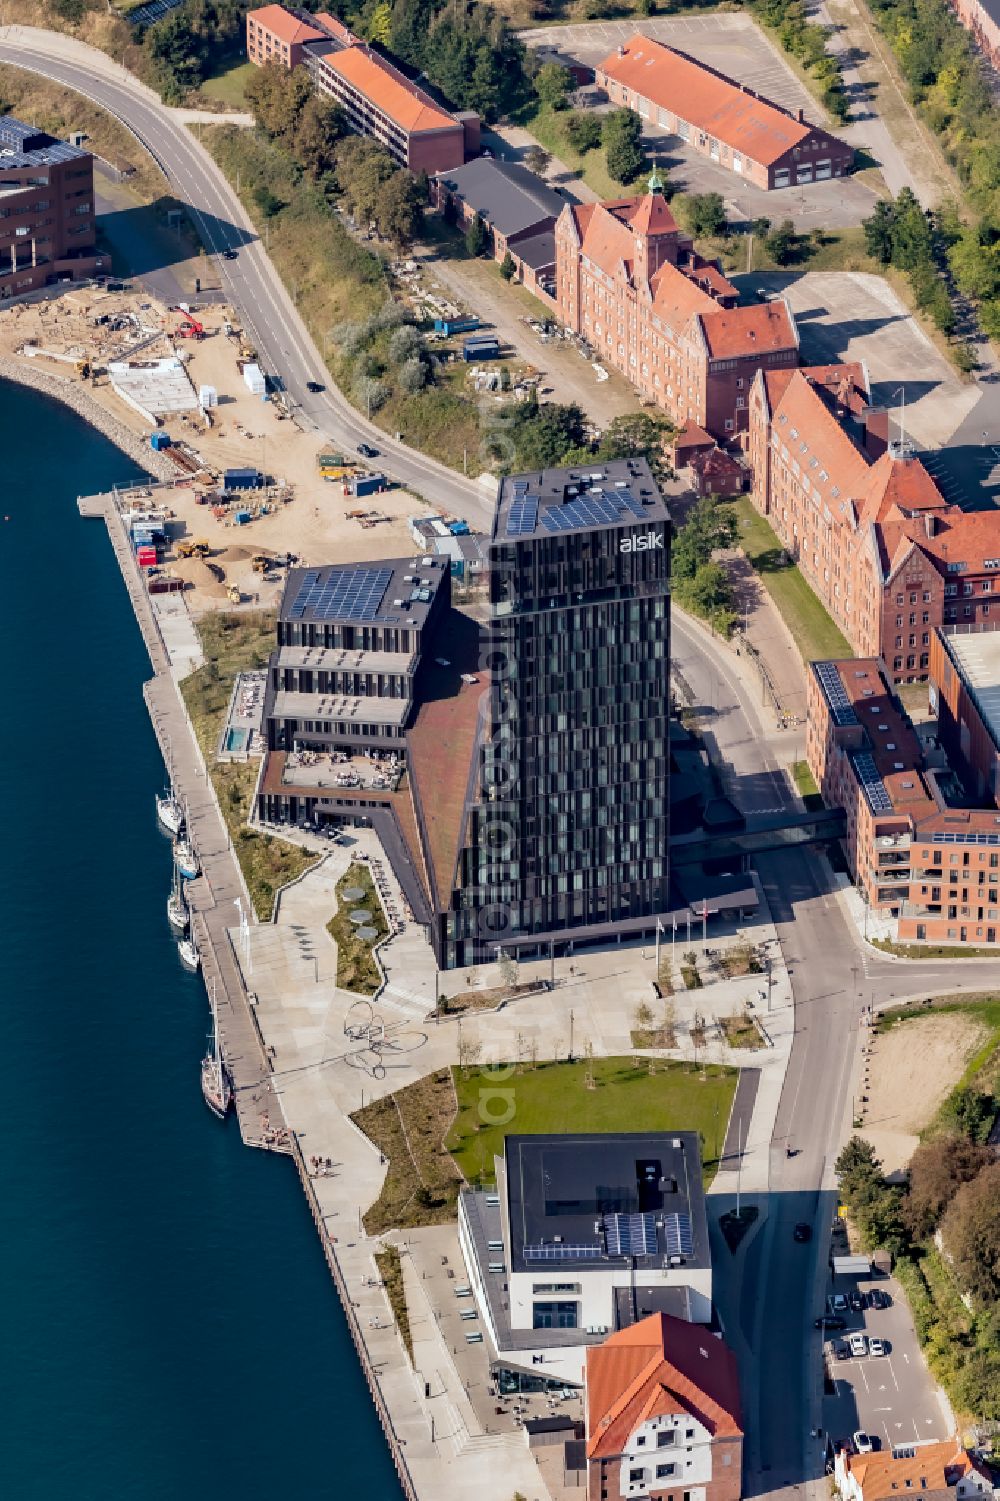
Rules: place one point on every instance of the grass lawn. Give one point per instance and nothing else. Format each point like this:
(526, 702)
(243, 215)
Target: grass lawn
(232, 643)
(554, 1097)
(227, 86)
(805, 785)
(813, 631)
(548, 128)
(356, 966)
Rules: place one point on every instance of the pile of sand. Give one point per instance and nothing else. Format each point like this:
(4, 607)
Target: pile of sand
(201, 576)
(237, 554)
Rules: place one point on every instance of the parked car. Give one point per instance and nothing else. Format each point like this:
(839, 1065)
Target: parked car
(841, 1350)
(859, 1345)
(802, 1232)
(837, 1302)
(878, 1299)
(830, 1321)
(367, 451)
(229, 254)
(856, 1301)
(864, 1443)
(876, 1346)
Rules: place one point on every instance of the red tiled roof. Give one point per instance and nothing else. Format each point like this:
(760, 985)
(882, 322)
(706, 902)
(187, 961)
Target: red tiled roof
(282, 24)
(708, 101)
(763, 328)
(929, 1467)
(677, 299)
(388, 90)
(693, 436)
(657, 1366)
(804, 423)
(336, 28)
(900, 483)
(969, 537)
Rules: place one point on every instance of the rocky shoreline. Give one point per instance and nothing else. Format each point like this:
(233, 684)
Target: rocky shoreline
(73, 396)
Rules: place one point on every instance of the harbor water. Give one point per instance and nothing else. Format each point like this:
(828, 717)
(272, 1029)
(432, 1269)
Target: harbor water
(170, 1329)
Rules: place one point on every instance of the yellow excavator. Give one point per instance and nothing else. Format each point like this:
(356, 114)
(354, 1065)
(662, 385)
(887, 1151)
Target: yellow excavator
(193, 548)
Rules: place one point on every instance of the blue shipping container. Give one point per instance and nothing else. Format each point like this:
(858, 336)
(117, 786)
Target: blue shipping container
(481, 349)
(159, 441)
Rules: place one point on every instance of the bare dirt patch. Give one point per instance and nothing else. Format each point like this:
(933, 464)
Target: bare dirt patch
(914, 1066)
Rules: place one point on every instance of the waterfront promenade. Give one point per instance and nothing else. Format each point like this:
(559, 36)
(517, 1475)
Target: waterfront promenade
(213, 896)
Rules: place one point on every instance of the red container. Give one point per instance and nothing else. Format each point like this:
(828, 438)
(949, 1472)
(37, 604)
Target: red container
(146, 557)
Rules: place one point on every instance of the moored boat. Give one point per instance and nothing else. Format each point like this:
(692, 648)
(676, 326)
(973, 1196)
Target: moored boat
(188, 953)
(215, 1085)
(186, 859)
(170, 813)
(177, 907)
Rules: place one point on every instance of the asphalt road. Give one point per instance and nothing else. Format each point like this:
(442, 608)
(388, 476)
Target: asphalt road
(252, 285)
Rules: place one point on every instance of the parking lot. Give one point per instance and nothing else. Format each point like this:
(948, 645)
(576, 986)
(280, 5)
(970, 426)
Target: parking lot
(849, 315)
(892, 1397)
(735, 46)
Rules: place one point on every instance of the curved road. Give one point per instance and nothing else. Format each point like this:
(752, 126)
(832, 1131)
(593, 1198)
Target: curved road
(251, 282)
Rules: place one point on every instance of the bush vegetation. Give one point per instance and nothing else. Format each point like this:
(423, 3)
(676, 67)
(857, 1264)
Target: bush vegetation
(951, 1198)
(806, 42)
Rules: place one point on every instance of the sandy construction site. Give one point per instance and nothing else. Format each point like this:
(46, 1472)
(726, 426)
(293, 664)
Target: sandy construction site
(80, 335)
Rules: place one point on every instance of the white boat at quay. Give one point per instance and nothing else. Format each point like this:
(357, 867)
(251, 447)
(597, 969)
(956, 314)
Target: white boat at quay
(170, 813)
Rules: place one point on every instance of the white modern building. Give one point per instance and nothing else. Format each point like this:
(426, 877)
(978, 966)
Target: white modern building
(582, 1236)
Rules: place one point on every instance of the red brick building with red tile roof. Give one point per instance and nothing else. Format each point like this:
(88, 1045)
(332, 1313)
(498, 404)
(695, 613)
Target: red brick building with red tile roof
(887, 555)
(663, 1415)
(377, 99)
(275, 34)
(932, 866)
(629, 281)
(732, 125)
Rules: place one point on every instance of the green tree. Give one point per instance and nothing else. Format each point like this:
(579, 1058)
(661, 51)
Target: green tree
(621, 134)
(583, 131)
(911, 233)
(705, 214)
(970, 1111)
(971, 1231)
(553, 84)
(709, 526)
(937, 1170)
(268, 203)
(975, 264)
(878, 233)
(537, 159)
(476, 237)
(507, 266)
(378, 27)
(782, 244)
(319, 127)
(400, 210)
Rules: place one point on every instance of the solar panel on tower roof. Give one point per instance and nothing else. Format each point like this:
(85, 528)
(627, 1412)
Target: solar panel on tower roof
(351, 594)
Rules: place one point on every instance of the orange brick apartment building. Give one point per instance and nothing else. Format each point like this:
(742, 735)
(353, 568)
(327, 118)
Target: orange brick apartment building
(376, 98)
(630, 283)
(47, 225)
(887, 555)
(965, 692)
(663, 1415)
(932, 866)
(720, 119)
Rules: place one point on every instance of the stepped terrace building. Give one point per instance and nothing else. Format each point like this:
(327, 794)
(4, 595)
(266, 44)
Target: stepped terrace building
(516, 767)
(631, 284)
(918, 858)
(47, 217)
(890, 559)
(722, 120)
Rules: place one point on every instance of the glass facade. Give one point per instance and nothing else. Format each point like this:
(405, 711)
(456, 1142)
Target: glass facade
(569, 825)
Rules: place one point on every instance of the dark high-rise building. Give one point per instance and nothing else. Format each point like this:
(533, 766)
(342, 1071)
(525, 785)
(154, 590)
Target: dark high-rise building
(567, 820)
(516, 768)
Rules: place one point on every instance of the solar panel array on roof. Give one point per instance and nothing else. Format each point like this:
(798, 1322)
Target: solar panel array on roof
(677, 1235)
(874, 788)
(593, 508)
(350, 594)
(559, 1251)
(947, 837)
(522, 516)
(631, 1234)
(836, 694)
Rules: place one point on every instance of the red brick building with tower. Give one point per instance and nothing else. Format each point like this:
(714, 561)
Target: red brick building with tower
(630, 282)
